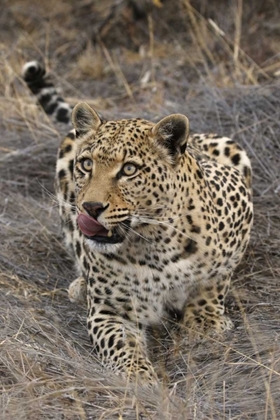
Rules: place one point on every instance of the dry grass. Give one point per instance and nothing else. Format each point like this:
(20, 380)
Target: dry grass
(188, 57)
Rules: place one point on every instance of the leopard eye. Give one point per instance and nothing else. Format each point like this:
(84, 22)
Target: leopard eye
(129, 169)
(86, 165)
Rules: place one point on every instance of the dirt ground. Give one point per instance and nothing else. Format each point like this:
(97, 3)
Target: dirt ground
(215, 61)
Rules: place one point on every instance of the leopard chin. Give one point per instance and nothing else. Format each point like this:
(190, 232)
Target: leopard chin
(103, 247)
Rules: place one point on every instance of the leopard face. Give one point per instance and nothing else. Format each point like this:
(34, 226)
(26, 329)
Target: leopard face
(123, 177)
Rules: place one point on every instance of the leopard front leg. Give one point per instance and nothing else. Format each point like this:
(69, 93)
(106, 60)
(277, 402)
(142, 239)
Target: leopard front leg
(205, 310)
(119, 343)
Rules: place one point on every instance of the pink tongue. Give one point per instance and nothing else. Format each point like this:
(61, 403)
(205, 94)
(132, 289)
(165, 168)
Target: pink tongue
(90, 226)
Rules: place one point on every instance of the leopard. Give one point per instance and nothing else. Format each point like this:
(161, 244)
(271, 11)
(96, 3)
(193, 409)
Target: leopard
(157, 220)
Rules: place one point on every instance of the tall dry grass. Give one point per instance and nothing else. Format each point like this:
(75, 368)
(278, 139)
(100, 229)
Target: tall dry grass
(193, 57)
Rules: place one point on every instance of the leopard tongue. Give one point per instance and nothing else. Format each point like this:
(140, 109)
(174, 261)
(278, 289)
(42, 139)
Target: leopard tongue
(90, 226)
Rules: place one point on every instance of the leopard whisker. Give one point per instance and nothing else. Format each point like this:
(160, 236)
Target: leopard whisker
(55, 200)
(144, 213)
(130, 229)
(162, 223)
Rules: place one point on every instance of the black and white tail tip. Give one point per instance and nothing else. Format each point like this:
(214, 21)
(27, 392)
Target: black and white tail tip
(47, 94)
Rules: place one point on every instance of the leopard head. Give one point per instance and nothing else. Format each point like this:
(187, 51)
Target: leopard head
(125, 173)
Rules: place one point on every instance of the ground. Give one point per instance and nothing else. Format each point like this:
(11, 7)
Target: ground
(217, 63)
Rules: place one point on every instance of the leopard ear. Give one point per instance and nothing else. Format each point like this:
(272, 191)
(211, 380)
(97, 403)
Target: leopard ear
(84, 119)
(172, 132)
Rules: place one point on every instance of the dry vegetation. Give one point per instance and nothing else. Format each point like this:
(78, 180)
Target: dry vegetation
(218, 63)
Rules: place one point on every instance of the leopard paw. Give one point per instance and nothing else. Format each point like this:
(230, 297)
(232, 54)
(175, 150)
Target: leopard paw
(77, 291)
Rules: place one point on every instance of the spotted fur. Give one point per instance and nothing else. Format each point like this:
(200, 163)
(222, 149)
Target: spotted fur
(178, 213)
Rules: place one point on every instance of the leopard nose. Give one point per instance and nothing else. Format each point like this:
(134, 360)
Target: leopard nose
(94, 209)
